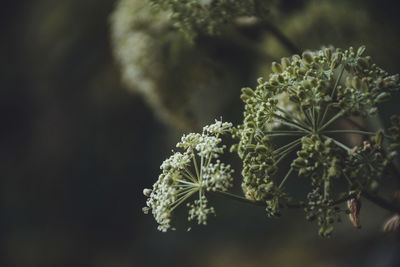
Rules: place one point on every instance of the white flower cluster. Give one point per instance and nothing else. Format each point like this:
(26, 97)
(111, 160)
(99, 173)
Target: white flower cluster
(218, 127)
(196, 170)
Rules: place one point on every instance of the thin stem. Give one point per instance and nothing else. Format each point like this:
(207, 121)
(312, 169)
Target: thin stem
(337, 82)
(201, 167)
(238, 198)
(324, 114)
(195, 164)
(286, 152)
(355, 132)
(279, 150)
(306, 115)
(373, 198)
(285, 134)
(348, 149)
(189, 177)
(290, 123)
(355, 124)
(333, 119)
(186, 182)
(293, 117)
(184, 191)
(286, 177)
(315, 119)
(347, 179)
(332, 94)
(193, 178)
(181, 200)
(310, 113)
(350, 132)
(278, 131)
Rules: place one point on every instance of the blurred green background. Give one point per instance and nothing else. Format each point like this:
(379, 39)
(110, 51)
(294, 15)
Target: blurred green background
(77, 147)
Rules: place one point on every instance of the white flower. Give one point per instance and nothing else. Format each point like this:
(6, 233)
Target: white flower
(184, 174)
(218, 127)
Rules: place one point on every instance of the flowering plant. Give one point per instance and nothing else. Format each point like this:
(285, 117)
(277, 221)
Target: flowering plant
(317, 103)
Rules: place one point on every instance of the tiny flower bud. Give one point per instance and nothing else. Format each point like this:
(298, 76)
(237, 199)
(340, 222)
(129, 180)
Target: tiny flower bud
(285, 62)
(382, 97)
(356, 82)
(360, 50)
(276, 67)
(147, 192)
(308, 57)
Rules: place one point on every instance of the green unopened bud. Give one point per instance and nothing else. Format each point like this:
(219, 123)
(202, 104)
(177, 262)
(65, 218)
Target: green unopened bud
(308, 57)
(356, 83)
(261, 149)
(337, 59)
(361, 50)
(379, 138)
(248, 92)
(285, 62)
(363, 63)
(348, 82)
(276, 67)
(280, 79)
(328, 53)
(364, 83)
(382, 97)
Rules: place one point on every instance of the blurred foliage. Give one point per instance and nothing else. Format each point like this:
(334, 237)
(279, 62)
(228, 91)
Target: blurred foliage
(184, 83)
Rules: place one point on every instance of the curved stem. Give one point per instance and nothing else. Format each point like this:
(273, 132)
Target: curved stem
(383, 203)
(238, 198)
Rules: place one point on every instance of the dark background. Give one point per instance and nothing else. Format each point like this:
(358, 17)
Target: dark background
(77, 149)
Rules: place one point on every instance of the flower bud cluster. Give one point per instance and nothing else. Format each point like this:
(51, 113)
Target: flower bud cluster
(367, 164)
(318, 160)
(323, 211)
(366, 84)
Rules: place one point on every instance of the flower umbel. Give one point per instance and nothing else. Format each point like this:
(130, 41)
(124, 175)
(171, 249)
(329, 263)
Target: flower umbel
(195, 171)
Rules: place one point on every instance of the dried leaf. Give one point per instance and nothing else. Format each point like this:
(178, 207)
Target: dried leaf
(354, 206)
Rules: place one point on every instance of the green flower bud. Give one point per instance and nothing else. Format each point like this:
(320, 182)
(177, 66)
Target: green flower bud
(360, 50)
(285, 62)
(356, 83)
(276, 67)
(248, 92)
(261, 149)
(382, 97)
(327, 53)
(337, 59)
(308, 57)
